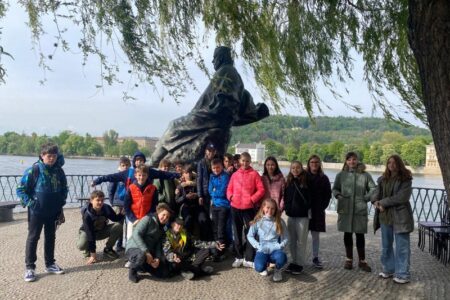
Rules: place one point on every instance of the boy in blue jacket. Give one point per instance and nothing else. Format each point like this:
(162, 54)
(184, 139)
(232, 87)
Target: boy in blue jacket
(43, 189)
(220, 209)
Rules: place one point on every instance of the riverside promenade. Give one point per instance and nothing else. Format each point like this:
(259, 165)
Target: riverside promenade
(109, 279)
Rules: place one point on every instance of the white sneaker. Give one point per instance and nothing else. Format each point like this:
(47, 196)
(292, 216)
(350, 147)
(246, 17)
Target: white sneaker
(30, 275)
(248, 264)
(385, 275)
(264, 273)
(401, 280)
(127, 265)
(277, 276)
(207, 269)
(237, 262)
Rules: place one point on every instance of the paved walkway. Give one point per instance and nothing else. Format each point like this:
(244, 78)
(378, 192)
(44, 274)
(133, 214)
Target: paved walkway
(108, 280)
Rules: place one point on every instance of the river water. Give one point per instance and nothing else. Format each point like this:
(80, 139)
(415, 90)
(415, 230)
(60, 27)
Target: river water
(16, 165)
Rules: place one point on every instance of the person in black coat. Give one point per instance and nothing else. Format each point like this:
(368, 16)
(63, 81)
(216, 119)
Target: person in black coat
(320, 189)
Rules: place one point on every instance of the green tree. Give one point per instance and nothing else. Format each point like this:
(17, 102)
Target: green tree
(413, 152)
(74, 145)
(375, 153)
(274, 148)
(110, 141)
(388, 150)
(128, 147)
(291, 153)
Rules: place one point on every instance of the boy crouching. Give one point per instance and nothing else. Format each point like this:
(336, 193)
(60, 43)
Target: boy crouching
(145, 247)
(186, 256)
(95, 227)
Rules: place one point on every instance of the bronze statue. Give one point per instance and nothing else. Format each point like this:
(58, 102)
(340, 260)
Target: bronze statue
(223, 104)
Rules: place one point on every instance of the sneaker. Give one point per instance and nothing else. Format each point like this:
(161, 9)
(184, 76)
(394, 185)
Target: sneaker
(133, 275)
(54, 269)
(264, 273)
(188, 275)
(317, 263)
(348, 265)
(401, 280)
(207, 269)
(248, 264)
(237, 263)
(295, 269)
(109, 252)
(385, 275)
(277, 275)
(364, 266)
(30, 275)
(127, 265)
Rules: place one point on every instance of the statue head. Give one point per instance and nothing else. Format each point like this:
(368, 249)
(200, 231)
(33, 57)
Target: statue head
(222, 56)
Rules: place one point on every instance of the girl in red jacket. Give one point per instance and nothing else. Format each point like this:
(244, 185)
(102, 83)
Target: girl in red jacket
(244, 191)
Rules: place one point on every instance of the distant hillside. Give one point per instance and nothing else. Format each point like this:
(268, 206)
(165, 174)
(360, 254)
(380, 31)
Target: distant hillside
(292, 130)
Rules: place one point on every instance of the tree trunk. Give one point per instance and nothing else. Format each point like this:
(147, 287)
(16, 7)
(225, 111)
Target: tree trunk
(429, 38)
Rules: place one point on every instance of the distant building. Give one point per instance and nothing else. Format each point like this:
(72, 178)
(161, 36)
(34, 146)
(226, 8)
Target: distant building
(257, 151)
(431, 161)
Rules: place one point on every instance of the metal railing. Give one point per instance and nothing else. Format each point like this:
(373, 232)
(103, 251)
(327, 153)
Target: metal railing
(426, 202)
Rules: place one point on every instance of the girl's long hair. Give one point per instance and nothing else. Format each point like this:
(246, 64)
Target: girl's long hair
(276, 216)
(301, 177)
(402, 172)
(315, 156)
(277, 168)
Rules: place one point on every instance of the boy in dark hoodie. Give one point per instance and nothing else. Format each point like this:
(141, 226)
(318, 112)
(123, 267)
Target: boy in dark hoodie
(43, 189)
(127, 176)
(95, 227)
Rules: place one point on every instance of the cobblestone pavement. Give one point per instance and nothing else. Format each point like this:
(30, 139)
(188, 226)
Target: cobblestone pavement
(108, 279)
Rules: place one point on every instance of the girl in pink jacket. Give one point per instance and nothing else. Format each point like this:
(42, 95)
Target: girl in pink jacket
(244, 191)
(274, 182)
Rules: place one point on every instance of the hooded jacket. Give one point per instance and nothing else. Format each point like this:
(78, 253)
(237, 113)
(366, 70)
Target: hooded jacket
(43, 189)
(148, 236)
(245, 189)
(127, 176)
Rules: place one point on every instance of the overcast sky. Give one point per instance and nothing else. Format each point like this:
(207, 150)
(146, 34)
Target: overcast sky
(69, 100)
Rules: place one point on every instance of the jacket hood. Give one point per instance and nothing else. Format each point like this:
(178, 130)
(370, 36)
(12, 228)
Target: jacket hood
(136, 155)
(59, 161)
(360, 168)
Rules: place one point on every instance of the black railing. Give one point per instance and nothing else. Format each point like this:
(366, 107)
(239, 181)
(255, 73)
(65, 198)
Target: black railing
(426, 202)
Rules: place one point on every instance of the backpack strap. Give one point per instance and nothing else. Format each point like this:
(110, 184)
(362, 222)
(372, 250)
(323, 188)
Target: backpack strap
(34, 175)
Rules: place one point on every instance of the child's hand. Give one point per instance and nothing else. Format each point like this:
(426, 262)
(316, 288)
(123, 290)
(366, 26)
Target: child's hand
(220, 246)
(200, 201)
(92, 259)
(149, 259)
(155, 263)
(93, 184)
(176, 259)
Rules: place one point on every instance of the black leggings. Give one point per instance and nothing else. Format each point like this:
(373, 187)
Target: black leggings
(360, 245)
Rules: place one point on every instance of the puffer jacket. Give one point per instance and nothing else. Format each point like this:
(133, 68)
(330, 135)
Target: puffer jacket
(403, 220)
(353, 189)
(44, 192)
(275, 189)
(265, 230)
(245, 189)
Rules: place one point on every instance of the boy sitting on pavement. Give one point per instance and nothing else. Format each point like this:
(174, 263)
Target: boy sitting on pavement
(95, 227)
(186, 256)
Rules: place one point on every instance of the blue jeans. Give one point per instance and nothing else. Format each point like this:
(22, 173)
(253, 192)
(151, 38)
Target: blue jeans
(395, 261)
(278, 257)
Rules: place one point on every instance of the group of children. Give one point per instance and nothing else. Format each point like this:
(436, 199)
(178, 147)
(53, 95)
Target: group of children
(175, 221)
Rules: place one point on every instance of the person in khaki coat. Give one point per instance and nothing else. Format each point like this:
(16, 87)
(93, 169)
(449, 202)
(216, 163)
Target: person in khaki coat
(395, 217)
(353, 188)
